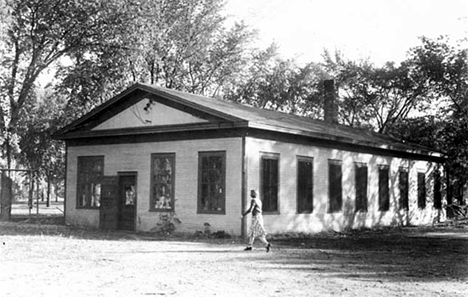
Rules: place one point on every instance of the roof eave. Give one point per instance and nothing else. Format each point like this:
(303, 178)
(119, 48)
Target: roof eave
(422, 152)
(150, 130)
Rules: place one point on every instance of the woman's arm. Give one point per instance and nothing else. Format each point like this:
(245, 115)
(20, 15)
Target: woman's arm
(252, 204)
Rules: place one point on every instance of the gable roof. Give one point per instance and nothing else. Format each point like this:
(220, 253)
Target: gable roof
(220, 114)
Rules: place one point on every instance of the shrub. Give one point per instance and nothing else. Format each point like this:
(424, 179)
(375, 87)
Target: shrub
(167, 224)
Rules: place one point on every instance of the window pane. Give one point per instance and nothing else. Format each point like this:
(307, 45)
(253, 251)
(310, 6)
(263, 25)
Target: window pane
(305, 186)
(162, 182)
(334, 186)
(421, 190)
(384, 199)
(437, 191)
(211, 196)
(269, 181)
(88, 186)
(403, 185)
(361, 187)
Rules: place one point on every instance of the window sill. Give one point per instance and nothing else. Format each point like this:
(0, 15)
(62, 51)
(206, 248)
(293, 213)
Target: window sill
(335, 211)
(212, 212)
(267, 213)
(161, 210)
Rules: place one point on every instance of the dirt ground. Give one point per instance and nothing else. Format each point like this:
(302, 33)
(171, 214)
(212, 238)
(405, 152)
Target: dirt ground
(54, 260)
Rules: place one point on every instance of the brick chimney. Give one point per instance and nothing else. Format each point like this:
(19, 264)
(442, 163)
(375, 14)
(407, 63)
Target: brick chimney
(330, 108)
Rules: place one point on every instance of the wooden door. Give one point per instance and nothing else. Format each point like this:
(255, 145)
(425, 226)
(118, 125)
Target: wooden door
(108, 213)
(127, 201)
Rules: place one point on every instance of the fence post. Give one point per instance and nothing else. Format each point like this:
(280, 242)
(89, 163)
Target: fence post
(37, 201)
(48, 188)
(31, 190)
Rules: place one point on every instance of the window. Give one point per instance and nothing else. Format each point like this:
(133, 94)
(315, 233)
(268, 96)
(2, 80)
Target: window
(437, 190)
(305, 185)
(335, 194)
(211, 182)
(162, 182)
(384, 197)
(361, 186)
(88, 184)
(421, 190)
(403, 187)
(269, 181)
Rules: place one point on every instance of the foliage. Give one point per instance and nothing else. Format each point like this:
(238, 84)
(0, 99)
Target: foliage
(273, 83)
(37, 150)
(96, 48)
(39, 34)
(184, 45)
(422, 130)
(377, 97)
(177, 44)
(167, 224)
(444, 69)
(423, 100)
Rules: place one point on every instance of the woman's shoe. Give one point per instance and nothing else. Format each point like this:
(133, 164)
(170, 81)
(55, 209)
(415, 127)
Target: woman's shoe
(249, 248)
(268, 247)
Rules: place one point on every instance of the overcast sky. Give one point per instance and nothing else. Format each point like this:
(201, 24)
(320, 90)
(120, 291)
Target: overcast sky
(382, 30)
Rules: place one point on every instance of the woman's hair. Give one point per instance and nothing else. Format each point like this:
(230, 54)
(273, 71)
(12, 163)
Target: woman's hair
(254, 193)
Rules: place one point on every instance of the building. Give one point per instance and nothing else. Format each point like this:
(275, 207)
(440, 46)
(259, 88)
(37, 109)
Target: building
(152, 151)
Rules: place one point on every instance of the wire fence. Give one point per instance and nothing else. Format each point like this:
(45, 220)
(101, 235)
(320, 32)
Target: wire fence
(25, 197)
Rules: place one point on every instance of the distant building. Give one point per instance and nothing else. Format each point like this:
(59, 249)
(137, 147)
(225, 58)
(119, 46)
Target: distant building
(151, 151)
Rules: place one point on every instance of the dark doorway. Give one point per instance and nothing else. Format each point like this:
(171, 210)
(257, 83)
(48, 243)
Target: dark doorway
(109, 206)
(127, 200)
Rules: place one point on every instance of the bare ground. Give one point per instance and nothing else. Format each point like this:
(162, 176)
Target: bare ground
(55, 260)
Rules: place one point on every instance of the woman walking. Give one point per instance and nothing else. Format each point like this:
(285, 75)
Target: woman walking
(256, 228)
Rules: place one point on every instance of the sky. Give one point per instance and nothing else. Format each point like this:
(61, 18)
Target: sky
(380, 30)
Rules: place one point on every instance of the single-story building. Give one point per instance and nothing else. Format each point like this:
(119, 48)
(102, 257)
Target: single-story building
(151, 151)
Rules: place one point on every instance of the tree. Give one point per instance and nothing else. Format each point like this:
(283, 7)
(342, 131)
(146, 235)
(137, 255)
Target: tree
(277, 84)
(34, 36)
(108, 44)
(40, 33)
(176, 44)
(37, 150)
(444, 69)
(184, 45)
(423, 100)
(377, 97)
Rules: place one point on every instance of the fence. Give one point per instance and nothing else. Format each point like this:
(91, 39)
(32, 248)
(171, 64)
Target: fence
(23, 196)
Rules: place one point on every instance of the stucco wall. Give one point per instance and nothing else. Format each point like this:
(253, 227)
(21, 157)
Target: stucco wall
(137, 157)
(288, 220)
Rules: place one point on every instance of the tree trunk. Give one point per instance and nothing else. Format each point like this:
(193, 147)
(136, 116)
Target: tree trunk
(5, 194)
(48, 190)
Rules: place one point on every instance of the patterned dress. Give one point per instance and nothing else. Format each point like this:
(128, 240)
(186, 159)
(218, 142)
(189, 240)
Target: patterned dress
(256, 228)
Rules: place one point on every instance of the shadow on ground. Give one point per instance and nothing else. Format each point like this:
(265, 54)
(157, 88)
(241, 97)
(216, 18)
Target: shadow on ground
(389, 256)
(386, 255)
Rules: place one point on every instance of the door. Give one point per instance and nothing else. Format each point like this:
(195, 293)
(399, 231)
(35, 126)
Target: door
(108, 212)
(127, 201)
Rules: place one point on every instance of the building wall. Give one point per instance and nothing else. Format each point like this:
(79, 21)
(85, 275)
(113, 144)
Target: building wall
(137, 157)
(288, 220)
